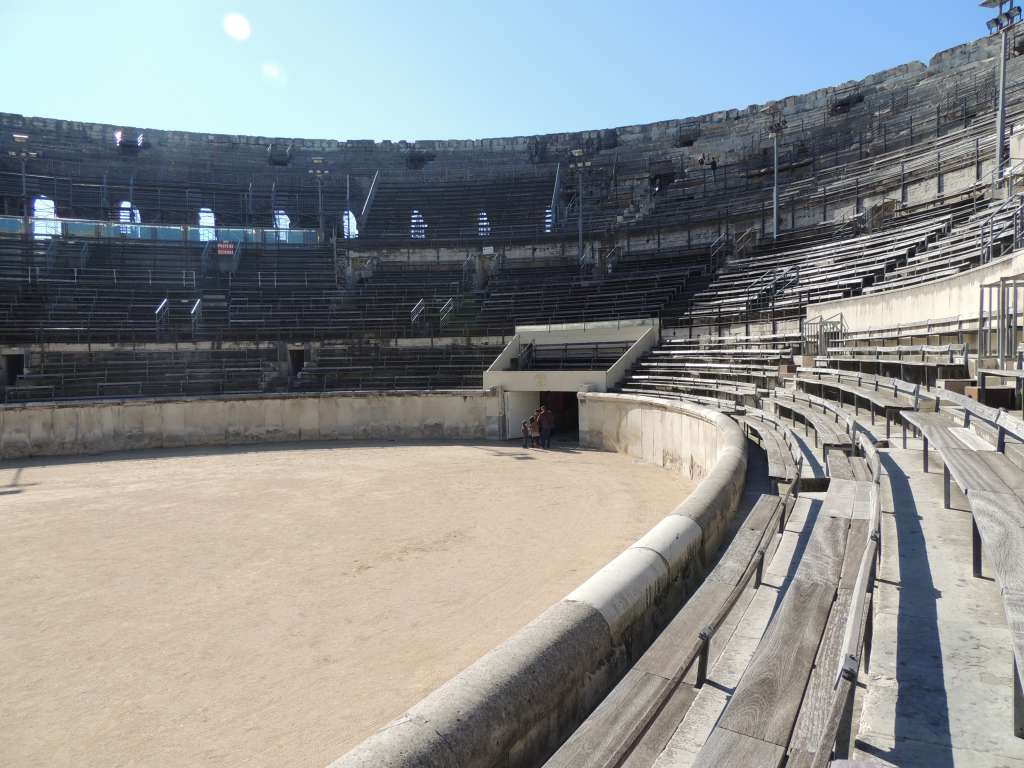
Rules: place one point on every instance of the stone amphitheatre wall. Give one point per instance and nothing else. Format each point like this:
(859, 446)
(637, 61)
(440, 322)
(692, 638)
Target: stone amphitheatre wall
(516, 704)
(727, 130)
(954, 298)
(69, 428)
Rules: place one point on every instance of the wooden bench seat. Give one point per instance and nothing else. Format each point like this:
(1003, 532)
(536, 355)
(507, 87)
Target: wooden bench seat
(758, 721)
(827, 432)
(641, 712)
(782, 467)
(878, 397)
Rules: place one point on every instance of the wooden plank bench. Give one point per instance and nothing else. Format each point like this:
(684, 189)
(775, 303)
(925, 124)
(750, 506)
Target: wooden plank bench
(757, 724)
(827, 431)
(994, 487)
(999, 525)
(879, 396)
(841, 466)
(642, 711)
(781, 465)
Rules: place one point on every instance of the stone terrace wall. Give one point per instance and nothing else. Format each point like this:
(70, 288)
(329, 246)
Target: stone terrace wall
(662, 133)
(70, 428)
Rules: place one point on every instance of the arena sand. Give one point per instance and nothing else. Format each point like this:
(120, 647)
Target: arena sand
(235, 607)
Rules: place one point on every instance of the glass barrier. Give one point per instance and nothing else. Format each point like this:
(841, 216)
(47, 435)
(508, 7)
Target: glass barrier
(15, 225)
(10, 225)
(233, 235)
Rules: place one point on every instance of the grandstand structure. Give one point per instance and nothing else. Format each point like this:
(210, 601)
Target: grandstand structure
(791, 613)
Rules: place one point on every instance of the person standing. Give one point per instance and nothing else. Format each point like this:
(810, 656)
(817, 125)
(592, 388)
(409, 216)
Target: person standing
(535, 430)
(547, 426)
(526, 434)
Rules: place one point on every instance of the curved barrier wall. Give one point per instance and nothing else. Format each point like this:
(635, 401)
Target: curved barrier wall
(517, 703)
(954, 297)
(67, 429)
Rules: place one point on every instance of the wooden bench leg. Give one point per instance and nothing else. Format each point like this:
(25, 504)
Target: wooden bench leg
(1018, 703)
(945, 487)
(975, 548)
(869, 633)
(844, 736)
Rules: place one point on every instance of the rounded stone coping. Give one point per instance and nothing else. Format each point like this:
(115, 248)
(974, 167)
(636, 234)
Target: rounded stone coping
(514, 705)
(239, 396)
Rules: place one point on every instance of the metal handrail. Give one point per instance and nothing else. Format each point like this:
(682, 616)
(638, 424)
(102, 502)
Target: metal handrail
(162, 315)
(989, 233)
(754, 567)
(526, 356)
(699, 651)
(371, 193)
(446, 311)
(417, 311)
(743, 239)
(612, 259)
(718, 245)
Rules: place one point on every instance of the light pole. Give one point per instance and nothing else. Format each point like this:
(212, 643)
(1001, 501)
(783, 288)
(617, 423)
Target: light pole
(1009, 15)
(776, 126)
(580, 167)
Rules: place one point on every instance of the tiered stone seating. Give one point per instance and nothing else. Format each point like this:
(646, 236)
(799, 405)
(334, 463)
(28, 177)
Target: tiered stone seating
(558, 291)
(514, 205)
(921, 364)
(377, 366)
(739, 368)
(579, 356)
(145, 372)
(782, 280)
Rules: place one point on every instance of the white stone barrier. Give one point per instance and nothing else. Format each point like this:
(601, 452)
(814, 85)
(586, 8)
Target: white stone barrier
(516, 704)
(102, 426)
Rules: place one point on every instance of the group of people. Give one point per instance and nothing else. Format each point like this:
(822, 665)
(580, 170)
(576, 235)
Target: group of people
(538, 428)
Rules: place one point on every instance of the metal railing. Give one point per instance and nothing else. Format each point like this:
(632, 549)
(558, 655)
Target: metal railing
(820, 333)
(1000, 311)
(162, 315)
(700, 651)
(196, 314)
(612, 259)
(416, 314)
(446, 311)
(745, 241)
(995, 227)
(205, 257)
(718, 252)
(370, 195)
(526, 356)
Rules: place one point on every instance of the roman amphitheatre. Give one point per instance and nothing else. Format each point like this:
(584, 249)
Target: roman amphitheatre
(689, 443)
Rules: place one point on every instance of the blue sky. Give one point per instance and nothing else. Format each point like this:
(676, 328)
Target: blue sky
(431, 70)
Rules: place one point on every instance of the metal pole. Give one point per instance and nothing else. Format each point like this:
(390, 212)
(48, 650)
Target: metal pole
(1000, 109)
(775, 188)
(579, 214)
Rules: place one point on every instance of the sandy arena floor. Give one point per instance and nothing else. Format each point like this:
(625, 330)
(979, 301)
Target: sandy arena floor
(273, 607)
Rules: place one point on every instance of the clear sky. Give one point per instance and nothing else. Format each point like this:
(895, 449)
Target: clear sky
(446, 69)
